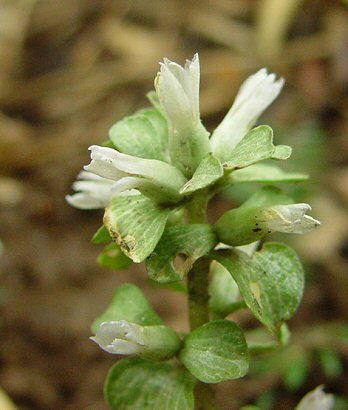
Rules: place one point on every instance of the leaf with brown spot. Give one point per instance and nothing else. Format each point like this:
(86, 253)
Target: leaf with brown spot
(136, 224)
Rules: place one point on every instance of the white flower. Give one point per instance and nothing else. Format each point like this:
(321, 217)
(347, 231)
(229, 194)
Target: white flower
(92, 191)
(290, 219)
(112, 173)
(254, 96)
(120, 337)
(123, 337)
(178, 93)
(316, 400)
(110, 163)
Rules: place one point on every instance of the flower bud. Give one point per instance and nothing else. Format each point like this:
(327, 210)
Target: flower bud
(122, 337)
(178, 92)
(254, 96)
(245, 225)
(316, 400)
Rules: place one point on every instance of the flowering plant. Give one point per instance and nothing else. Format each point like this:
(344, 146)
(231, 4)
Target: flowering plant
(155, 176)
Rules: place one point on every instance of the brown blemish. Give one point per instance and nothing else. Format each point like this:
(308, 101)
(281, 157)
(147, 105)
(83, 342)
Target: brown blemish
(255, 290)
(127, 243)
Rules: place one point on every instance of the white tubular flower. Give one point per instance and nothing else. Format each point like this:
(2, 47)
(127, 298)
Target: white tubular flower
(92, 191)
(120, 337)
(316, 400)
(132, 172)
(111, 173)
(178, 92)
(254, 96)
(123, 337)
(290, 219)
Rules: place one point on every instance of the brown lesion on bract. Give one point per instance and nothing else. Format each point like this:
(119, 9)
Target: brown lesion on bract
(126, 243)
(256, 292)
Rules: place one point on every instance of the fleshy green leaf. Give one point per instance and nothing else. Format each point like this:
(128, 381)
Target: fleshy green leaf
(136, 224)
(128, 303)
(266, 173)
(190, 241)
(136, 384)
(144, 135)
(223, 290)
(256, 146)
(101, 236)
(216, 351)
(208, 172)
(113, 258)
(271, 282)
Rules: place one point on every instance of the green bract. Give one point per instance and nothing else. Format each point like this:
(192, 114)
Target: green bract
(130, 326)
(207, 172)
(189, 241)
(129, 303)
(271, 282)
(223, 290)
(216, 351)
(267, 211)
(136, 224)
(256, 146)
(136, 384)
(112, 257)
(144, 135)
(266, 173)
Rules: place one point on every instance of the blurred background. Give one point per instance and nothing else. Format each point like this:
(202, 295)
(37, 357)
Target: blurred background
(69, 69)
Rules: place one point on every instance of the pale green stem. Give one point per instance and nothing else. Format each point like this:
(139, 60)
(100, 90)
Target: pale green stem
(197, 283)
(198, 297)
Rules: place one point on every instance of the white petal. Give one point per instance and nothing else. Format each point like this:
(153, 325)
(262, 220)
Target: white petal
(156, 171)
(120, 337)
(193, 70)
(132, 332)
(89, 176)
(127, 183)
(108, 332)
(118, 346)
(84, 201)
(250, 248)
(178, 92)
(316, 400)
(292, 212)
(290, 219)
(95, 191)
(174, 100)
(305, 225)
(254, 96)
(99, 188)
(104, 169)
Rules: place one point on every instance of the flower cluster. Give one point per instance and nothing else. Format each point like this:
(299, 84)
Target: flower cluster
(154, 176)
(165, 153)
